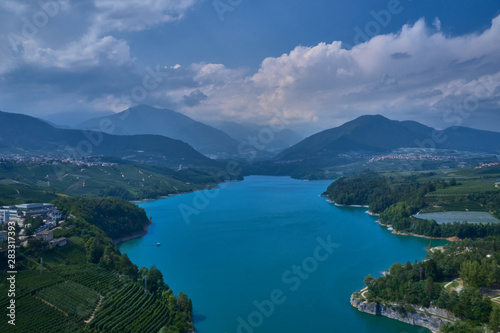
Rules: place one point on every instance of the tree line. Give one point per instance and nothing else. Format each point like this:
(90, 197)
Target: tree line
(115, 216)
(397, 199)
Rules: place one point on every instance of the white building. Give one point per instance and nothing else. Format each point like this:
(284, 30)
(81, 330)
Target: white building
(17, 213)
(10, 213)
(5, 216)
(42, 209)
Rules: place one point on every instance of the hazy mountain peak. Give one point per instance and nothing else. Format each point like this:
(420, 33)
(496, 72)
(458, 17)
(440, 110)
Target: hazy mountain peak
(146, 119)
(21, 133)
(244, 132)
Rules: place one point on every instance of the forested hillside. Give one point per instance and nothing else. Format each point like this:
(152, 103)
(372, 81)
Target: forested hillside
(398, 197)
(115, 216)
(475, 263)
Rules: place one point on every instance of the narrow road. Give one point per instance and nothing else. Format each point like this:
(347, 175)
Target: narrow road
(93, 313)
(363, 291)
(446, 285)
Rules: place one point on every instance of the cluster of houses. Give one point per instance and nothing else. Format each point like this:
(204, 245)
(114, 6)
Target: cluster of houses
(487, 165)
(54, 160)
(48, 236)
(411, 157)
(18, 213)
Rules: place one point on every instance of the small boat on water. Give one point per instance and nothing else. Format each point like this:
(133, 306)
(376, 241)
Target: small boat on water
(158, 244)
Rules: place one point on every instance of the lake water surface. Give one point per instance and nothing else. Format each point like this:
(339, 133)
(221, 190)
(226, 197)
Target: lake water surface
(257, 256)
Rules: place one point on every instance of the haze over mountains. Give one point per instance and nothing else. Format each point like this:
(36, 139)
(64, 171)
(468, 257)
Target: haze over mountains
(366, 135)
(144, 119)
(280, 140)
(24, 134)
(219, 141)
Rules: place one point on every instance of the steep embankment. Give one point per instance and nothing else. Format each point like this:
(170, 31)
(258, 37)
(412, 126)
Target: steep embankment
(431, 318)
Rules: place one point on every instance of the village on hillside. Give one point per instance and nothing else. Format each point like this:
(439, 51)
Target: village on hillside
(37, 220)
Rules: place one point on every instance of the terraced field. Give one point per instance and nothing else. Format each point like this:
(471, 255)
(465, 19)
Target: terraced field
(71, 298)
(60, 300)
(131, 310)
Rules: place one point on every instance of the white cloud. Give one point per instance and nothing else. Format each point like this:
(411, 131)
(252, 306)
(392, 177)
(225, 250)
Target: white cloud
(135, 15)
(411, 72)
(437, 24)
(14, 6)
(30, 39)
(89, 51)
(419, 72)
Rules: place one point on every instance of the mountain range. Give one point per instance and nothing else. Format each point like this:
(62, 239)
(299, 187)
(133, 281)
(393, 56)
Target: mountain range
(144, 119)
(20, 133)
(377, 134)
(366, 135)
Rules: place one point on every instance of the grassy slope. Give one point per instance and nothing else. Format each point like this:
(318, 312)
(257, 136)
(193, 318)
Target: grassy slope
(470, 181)
(33, 182)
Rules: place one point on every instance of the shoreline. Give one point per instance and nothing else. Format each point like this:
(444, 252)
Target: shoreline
(395, 232)
(133, 236)
(161, 197)
(155, 199)
(340, 205)
(372, 214)
(353, 206)
(432, 319)
(145, 231)
(174, 194)
(358, 305)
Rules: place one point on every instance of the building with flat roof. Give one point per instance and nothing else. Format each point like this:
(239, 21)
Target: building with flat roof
(17, 213)
(35, 208)
(34, 205)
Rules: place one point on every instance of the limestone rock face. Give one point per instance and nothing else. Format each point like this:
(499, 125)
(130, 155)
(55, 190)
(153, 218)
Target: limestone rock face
(431, 318)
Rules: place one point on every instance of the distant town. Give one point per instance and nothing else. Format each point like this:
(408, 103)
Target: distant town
(49, 160)
(487, 165)
(412, 157)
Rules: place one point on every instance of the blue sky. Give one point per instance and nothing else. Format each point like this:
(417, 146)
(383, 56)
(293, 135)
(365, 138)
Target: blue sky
(258, 29)
(316, 63)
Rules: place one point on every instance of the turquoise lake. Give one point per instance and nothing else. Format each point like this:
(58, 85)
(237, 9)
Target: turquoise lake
(257, 256)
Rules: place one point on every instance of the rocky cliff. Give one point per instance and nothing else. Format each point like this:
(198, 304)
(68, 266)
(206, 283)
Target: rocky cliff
(431, 318)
